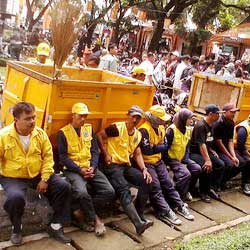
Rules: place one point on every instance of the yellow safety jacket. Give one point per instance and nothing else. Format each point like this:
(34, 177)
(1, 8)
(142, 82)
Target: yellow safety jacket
(123, 146)
(246, 125)
(79, 147)
(178, 148)
(153, 139)
(16, 163)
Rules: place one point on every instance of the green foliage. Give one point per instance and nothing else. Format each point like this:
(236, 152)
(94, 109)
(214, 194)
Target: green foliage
(233, 239)
(3, 63)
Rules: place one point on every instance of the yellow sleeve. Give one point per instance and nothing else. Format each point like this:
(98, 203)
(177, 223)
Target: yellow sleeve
(1, 153)
(47, 158)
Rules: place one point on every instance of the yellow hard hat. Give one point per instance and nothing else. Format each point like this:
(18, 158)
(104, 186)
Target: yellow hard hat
(43, 49)
(138, 70)
(80, 108)
(159, 112)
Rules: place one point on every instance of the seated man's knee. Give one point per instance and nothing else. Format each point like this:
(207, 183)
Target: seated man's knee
(16, 198)
(82, 195)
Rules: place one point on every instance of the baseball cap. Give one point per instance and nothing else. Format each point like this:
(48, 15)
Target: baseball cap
(175, 53)
(159, 112)
(136, 110)
(138, 70)
(80, 108)
(213, 108)
(230, 107)
(43, 49)
(229, 65)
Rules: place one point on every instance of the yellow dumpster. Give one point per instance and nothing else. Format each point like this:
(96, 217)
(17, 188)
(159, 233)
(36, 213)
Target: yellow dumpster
(108, 95)
(212, 89)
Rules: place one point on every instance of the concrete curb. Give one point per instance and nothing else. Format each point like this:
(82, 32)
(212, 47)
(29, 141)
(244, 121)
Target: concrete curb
(34, 237)
(216, 228)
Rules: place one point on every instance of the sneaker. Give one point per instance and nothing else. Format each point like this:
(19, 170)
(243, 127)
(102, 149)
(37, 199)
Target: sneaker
(205, 198)
(189, 197)
(183, 211)
(246, 189)
(16, 238)
(58, 235)
(171, 216)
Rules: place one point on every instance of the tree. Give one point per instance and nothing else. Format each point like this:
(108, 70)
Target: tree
(35, 11)
(96, 16)
(203, 16)
(173, 9)
(123, 24)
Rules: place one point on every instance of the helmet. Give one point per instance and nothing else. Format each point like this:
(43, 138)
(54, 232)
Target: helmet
(43, 49)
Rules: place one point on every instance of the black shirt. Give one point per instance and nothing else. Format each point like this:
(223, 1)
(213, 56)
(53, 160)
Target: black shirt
(223, 129)
(202, 134)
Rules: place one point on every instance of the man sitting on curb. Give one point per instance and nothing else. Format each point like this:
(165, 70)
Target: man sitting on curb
(27, 162)
(201, 152)
(242, 144)
(224, 146)
(119, 142)
(79, 153)
(153, 134)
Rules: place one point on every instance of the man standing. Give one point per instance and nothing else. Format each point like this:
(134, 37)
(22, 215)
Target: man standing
(27, 162)
(110, 60)
(201, 152)
(79, 153)
(119, 143)
(185, 61)
(148, 66)
(224, 146)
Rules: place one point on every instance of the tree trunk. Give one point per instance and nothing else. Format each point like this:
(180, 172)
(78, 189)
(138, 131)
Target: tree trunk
(31, 25)
(154, 44)
(91, 30)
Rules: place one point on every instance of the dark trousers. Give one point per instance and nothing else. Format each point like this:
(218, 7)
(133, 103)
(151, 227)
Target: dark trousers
(58, 194)
(162, 193)
(120, 175)
(231, 170)
(88, 194)
(195, 170)
(212, 179)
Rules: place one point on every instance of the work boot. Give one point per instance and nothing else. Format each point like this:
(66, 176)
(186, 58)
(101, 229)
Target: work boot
(140, 225)
(58, 235)
(16, 234)
(150, 222)
(16, 238)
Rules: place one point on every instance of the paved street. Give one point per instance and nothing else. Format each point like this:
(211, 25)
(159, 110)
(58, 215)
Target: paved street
(233, 209)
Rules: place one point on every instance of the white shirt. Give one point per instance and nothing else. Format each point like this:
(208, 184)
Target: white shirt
(109, 62)
(149, 69)
(25, 141)
(178, 72)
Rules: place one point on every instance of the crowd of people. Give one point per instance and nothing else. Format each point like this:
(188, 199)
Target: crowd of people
(101, 167)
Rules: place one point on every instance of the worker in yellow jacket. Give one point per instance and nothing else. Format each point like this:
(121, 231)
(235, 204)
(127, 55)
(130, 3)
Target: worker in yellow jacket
(79, 153)
(242, 145)
(119, 143)
(153, 146)
(27, 162)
